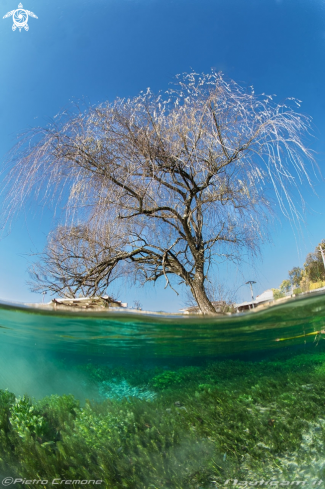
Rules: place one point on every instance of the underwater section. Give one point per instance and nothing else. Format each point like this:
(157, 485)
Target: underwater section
(122, 400)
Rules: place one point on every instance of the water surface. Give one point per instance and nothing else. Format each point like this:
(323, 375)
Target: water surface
(163, 401)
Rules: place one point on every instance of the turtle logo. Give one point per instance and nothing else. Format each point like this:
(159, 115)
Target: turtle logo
(20, 18)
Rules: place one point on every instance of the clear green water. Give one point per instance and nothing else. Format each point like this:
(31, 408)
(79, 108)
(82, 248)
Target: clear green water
(140, 401)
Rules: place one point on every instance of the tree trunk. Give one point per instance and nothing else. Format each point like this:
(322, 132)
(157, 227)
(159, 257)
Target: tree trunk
(201, 297)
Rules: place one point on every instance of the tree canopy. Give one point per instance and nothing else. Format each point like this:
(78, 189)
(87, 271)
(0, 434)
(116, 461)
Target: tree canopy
(295, 276)
(160, 185)
(314, 265)
(285, 286)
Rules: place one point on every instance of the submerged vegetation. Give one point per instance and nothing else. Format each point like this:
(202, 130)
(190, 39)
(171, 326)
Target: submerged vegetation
(203, 425)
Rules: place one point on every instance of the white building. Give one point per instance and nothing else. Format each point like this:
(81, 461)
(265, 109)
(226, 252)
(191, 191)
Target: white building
(266, 296)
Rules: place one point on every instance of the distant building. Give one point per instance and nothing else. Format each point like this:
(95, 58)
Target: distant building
(266, 296)
(113, 301)
(218, 305)
(96, 303)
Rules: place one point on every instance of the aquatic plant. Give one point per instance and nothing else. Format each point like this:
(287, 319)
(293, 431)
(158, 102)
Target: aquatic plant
(94, 428)
(170, 378)
(101, 373)
(6, 401)
(25, 419)
(248, 420)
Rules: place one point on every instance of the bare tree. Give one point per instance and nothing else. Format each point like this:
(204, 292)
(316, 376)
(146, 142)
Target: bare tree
(73, 261)
(137, 305)
(218, 293)
(160, 186)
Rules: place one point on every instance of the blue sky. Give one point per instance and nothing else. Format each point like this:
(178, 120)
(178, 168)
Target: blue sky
(102, 49)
